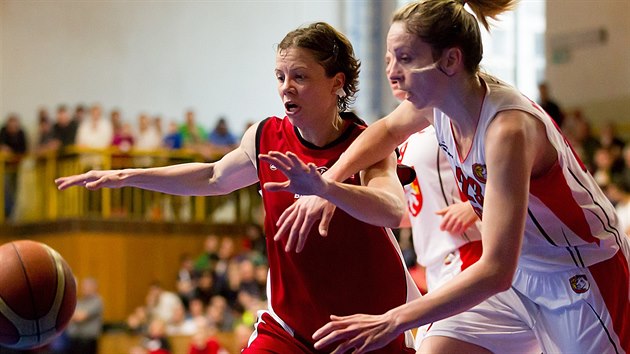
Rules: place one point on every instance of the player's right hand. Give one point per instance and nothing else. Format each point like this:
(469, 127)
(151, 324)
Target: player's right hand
(91, 180)
(295, 223)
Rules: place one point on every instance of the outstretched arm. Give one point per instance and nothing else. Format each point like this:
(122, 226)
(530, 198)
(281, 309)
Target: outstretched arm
(235, 170)
(381, 191)
(510, 167)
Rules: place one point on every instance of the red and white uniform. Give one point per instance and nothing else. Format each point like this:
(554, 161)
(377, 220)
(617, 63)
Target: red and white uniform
(442, 253)
(572, 276)
(357, 268)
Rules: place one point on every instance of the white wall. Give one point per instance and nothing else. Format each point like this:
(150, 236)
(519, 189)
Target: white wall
(594, 77)
(154, 56)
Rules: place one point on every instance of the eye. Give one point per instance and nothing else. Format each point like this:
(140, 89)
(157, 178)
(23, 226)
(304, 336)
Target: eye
(280, 78)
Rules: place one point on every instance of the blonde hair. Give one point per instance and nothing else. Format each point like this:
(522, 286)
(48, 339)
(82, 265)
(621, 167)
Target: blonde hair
(446, 24)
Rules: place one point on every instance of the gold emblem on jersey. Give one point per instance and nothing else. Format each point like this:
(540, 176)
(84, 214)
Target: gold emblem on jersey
(579, 284)
(480, 172)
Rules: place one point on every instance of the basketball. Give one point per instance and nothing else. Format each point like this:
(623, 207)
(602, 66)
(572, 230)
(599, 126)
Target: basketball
(37, 294)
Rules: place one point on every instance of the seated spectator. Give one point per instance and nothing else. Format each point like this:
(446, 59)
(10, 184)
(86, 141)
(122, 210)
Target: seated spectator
(123, 138)
(65, 128)
(186, 279)
(161, 303)
(94, 132)
(205, 342)
(192, 133)
(173, 139)
(45, 135)
(181, 324)
(221, 138)
(219, 314)
(206, 287)
(210, 256)
(85, 327)
(148, 139)
(155, 340)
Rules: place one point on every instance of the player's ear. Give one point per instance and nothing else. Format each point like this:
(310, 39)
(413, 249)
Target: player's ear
(452, 60)
(339, 82)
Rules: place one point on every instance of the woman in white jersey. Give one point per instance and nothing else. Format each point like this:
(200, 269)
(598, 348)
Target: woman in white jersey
(553, 254)
(445, 230)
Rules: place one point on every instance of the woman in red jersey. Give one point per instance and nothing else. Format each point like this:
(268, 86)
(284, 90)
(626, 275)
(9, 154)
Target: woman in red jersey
(357, 267)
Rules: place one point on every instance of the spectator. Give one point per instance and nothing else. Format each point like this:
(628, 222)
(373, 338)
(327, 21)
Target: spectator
(221, 138)
(86, 324)
(149, 139)
(79, 114)
(602, 168)
(173, 139)
(65, 129)
(205, 342)
(161, 303)
(155, 341)
(549, 104)
(208, 259)
(181, 324)
(219, 314)
(206, 287)
(123, 138)
(582, 139)
(13, 145)
(186, 279)
(192, 133)
(45, 136)
(94, 133)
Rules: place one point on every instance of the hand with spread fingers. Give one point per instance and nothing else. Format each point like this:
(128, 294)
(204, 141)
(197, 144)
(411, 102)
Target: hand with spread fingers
(297, 220)
(356, 333)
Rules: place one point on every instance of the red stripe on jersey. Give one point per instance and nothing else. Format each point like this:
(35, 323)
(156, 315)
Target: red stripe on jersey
(470, 253)
(613, 280)
(553, 190)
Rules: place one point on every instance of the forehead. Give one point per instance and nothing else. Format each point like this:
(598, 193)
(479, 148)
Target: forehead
(398, 37)
(295, 57)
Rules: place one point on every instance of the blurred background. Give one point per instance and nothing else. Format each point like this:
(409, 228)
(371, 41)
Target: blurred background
(115, 84)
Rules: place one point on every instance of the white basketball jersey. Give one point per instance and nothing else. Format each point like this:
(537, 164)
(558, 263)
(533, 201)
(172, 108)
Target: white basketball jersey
(433, 189)
(570, 222)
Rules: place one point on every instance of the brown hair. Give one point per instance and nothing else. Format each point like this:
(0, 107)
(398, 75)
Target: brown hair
(446, 24)
(332, 50)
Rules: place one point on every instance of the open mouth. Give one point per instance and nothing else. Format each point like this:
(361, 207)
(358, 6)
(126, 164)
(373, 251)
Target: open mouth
(290, 107)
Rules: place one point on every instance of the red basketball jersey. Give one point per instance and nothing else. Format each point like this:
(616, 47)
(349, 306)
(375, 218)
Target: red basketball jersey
(357, 268)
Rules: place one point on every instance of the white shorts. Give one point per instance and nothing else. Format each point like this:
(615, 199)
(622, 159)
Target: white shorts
(580, 311)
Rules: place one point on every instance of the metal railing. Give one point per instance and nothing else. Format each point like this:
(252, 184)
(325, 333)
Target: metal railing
(29, 185)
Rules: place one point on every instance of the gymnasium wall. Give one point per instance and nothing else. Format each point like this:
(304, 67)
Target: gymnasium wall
(591, 74)
(124, 261)
(159, 57)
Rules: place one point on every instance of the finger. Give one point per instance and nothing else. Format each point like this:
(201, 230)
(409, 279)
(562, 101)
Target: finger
(304, 232)
(325, 221)
(277, 186)
(284, 222)
(294, 233)
(276, 161)
(441, 212)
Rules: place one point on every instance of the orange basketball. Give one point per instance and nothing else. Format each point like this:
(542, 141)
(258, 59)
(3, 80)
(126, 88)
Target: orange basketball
(38, 294)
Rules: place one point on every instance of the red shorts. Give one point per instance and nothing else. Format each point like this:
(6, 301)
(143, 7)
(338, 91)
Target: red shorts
(270, 337)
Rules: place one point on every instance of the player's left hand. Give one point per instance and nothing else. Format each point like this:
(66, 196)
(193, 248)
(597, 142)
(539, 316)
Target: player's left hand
(356, 334)
(303, 179)
(295, 223)
(457, 218)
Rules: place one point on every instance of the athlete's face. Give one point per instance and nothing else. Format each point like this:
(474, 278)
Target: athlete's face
(393, 84)
(411, 65)
(304, 88)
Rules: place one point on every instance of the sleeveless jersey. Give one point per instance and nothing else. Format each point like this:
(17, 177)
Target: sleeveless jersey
(357, 268)
(433, 189)
(570, 222)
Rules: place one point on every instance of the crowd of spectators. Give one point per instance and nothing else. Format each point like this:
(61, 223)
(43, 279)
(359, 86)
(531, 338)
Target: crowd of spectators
(90, 128)
(219, 290)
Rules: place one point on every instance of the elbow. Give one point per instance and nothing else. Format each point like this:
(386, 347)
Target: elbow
(395, 214)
